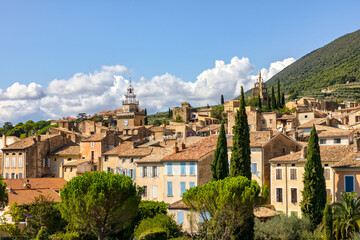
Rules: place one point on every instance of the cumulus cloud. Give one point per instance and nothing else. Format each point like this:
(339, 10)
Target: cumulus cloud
(104, 90)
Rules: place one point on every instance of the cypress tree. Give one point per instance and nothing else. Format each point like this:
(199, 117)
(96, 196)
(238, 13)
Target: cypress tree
(220, 165)
(282, 100)
(259, 104)
(240, 163)
(169, 114)
(278, 94)
(146, 119)
(269, 103)
(327, 224)
(273, 99)
(222, 99)
(314, 192)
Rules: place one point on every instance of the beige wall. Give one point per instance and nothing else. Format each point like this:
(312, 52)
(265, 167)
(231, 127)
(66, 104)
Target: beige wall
(118, 164)
(190, 219)
(268, 121)
(339, 176)
(303, 117)
(56, 164)
(151, 181)
(16, 156)
(69, 172)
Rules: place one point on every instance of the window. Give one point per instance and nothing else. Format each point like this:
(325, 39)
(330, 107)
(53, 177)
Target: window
(253, 168)
(191, 184)
(180, 217)
(183, 168)
(293, 174)
(305, 116)
(155, 171)
(20, 175)
(131, 173)
(64, 169)
(7, 162)
(71, 169)
(20, 162)
(106, 158)
(144, 171)
(293, 195)
(322, 141)
(349, 184)
(13, 162)
(124, 172)
(192, 168)
(169, 192)
(145, 191)
(182, 188)
(327, 173)
(13, 176)
(283, 150)
(279, 194)
(263, 122)
(6, 175)
(108, 169)
(169, 169)
(270, 120)
(154, 191)
(117, 170)
(337, 140)
(278, 174)
(92, 144)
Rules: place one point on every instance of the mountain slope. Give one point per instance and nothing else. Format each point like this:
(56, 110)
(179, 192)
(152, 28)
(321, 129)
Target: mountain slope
(336, 63)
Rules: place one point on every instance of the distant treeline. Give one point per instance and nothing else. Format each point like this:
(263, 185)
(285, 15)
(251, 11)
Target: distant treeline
(23, 130)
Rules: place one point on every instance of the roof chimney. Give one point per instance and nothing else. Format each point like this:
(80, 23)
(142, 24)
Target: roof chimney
(4, 140)
(270, 133)
(175, 148)
(182, 146)
(356, 145)
(304, 152)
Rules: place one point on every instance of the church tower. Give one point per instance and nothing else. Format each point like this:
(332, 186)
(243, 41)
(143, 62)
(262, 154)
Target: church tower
(260, 90)
(130, 104)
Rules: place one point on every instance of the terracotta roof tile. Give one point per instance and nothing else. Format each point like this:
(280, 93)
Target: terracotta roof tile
(310, 123)
(27, 196)
(286, 117)
(350, 161)
(76, 163)
(257, 139)
(178, 205)
(69, 150)
(210, 127)
(335, 134)
(95, 138)
(126, 149)
(36, 183)
(22, 144)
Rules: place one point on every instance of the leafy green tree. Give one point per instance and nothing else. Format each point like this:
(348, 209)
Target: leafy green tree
(226, 206)
(178, 118)
(7, 126)
(44, 212)
(220, 164)
(100, 203)
(240, 163)
(259, 104)
(4, 198)
(156, 123)
(16, 131)
(43, 234)
(252, 102)
(314, 192)
(218, 113)
(151, 208)
(327, 222)
(162, 221)
(278, 94)
(346, 216)
(273, 99)
(46, 129)
(282, 100)
(17, 216)
(222, 99)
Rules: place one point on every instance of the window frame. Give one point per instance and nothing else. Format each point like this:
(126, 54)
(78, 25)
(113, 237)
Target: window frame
(337, 142)
(291, 195)
(276, 195)
(327, 169)
(353, 176)
(276, 176)
(296, 173)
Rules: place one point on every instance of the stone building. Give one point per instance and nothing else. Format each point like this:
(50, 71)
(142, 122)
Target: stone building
(28, 157)
(260, 90)
(184, 111)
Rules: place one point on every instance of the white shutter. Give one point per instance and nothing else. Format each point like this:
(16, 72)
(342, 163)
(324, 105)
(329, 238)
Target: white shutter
(151, 172)
(13, 162)
(7, 162)
(20, 162)
(148, 171)
(154, 191)
(141, 171)
(48, 162)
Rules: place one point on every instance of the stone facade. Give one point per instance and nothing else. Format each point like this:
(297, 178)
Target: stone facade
(184, 112)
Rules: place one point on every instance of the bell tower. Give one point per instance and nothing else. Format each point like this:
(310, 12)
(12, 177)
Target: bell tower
(130, 104)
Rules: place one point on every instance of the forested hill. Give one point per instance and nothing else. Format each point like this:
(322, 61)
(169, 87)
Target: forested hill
(336, 63)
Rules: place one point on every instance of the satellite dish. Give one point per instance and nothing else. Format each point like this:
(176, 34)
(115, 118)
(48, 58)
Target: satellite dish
(339, 108)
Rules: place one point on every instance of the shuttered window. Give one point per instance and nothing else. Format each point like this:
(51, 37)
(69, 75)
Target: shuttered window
(169, 186)
(20, 162)
(183, 168)
(13, 162)
(7, 162)
(182, 188)
(192, 184)
(278, 174)
(180, 217)
(279, 195)
(154, 190)
(349, 184)
(293, 195)
(293, 173)
(327, 173)
(169, 169)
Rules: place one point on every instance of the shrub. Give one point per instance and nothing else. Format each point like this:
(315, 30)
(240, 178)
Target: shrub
(154, 234)
(65, 236)
(159, 221)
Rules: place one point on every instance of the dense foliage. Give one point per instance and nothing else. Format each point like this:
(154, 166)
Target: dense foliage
(4, 198)
(220, 164)
(226, 206)
(100, 203)
(160, 221)
(22, 130)
(335, 63)
(314, 192)
(240, 162)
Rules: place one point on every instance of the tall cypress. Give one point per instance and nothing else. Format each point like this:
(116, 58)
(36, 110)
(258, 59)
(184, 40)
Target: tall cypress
(327, 223)
(222, 99)
(278, 94)
(282, 100)
(220, 165)
(273, 99)
(169, 114)
(269, 103)
(146, 119)
(240, 163)
(314, 192)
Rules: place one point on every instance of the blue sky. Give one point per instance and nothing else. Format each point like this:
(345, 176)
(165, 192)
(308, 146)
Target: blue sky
(45, 40)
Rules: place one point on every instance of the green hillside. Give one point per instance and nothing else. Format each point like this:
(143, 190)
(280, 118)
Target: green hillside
(336, 63)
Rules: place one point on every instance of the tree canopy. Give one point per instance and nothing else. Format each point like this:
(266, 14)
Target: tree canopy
(100, 203)
(4, 198)
(220, 164)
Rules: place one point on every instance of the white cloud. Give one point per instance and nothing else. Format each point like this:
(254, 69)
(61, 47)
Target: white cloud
(104, 89)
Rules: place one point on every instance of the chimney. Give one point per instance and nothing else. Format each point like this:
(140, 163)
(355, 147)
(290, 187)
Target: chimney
(304, 152)
(182, 146)
(4, 140)
(328, 122)
(27, 185)
(270, 133)
(356, 145)
(175, 149)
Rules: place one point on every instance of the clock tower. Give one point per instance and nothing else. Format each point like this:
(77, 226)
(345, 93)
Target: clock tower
(130, 116)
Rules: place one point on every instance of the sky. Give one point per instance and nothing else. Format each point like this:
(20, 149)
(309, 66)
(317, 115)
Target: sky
(60, 58)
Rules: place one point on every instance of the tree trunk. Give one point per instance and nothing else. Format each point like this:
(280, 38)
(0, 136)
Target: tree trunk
(100, 235)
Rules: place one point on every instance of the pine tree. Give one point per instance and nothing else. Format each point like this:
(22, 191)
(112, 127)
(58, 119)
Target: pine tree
(282, 100)
(146, 119)
(278, 95)
(314, 192)
(327, 223)
(240, 163)
(259, 104)
(273, 99)
(222, 99)
(220, 165)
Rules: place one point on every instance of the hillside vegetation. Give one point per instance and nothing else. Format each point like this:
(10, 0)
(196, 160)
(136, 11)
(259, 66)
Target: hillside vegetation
(336, 63)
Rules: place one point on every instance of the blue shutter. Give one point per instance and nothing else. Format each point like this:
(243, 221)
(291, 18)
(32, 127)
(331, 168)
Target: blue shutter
(192, 168)
(349, 184)
(129, 173)
(192, 184)
(253, 168)
(183, 168)
(180, 217)
(134, 173)
(182, 188)
(169, 189)
(169, 168)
